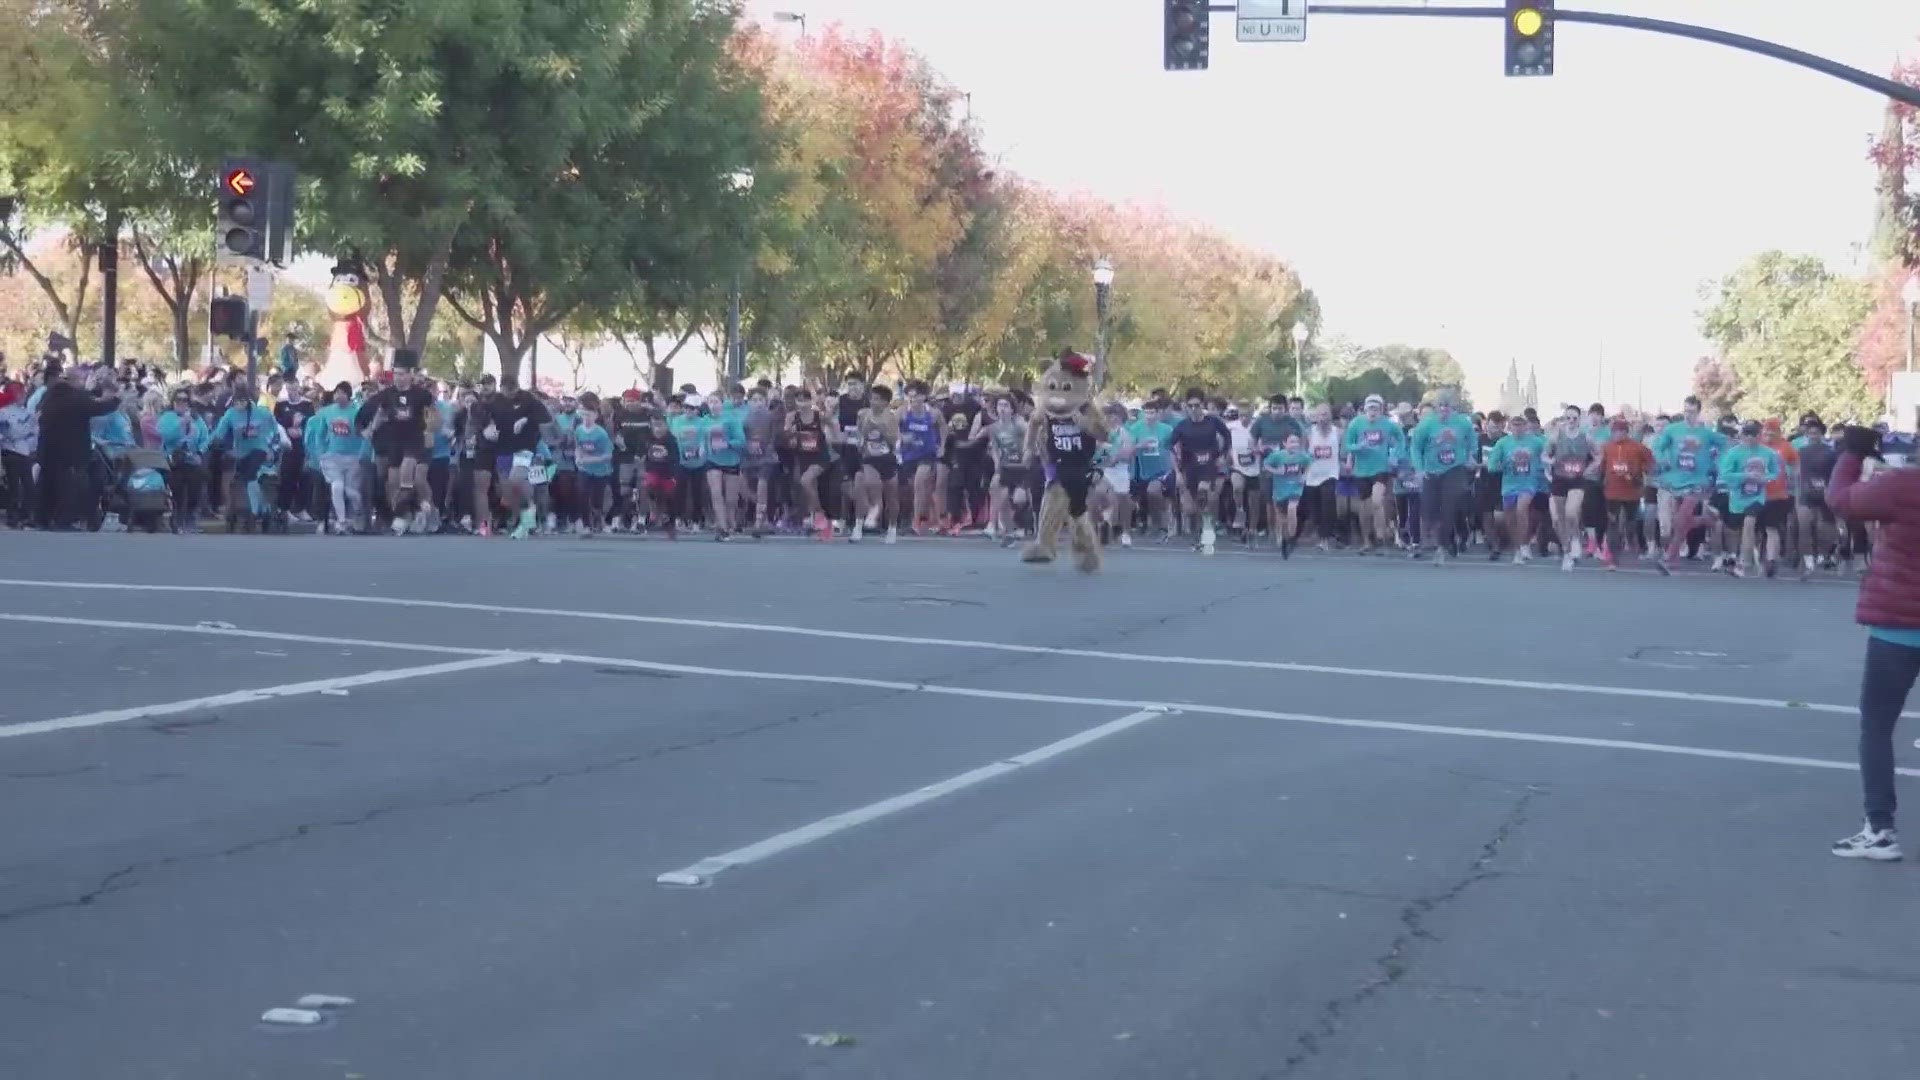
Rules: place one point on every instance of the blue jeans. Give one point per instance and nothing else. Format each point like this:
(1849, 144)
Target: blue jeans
(1884, 685)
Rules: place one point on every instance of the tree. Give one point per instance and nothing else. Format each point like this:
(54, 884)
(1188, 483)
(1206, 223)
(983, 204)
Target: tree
(1716, 385)
(1787, 327)
(625, 144)
(176, 260)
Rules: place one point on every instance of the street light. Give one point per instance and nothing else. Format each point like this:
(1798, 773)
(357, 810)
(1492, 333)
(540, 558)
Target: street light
(741, 180)
(1300, 336)
(1102, 301)
(793, 17)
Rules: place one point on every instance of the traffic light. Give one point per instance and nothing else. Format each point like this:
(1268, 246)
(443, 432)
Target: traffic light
(1186, 35)
(227, 317)
(279, 203)
(240, 220)
(1529, 37)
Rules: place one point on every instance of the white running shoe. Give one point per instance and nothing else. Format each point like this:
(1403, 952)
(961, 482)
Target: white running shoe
(1126, 540)
(1881, 845)
(553, 522)
(400, 525)
(1566, 562)
(893, 535)
(873, 518)
(859, 530)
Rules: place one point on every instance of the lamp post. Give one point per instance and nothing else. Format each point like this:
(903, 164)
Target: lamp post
(736, 365)
(1102, 302)
(793, 17)
(1300, 336)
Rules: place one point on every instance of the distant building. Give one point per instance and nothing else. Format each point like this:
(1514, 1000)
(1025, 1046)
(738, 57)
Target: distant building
(1515, 398)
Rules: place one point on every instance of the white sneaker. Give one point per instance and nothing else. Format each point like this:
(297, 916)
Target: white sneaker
(1879, 846)
(1126, 540)
(859, 530)
(1519, 558)
(553, 522)
(1566, 562)
(989, 531)
(400, 525)
(893, 534)
(1206, 537)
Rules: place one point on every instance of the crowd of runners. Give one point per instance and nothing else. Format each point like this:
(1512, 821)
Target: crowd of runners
(407, 454)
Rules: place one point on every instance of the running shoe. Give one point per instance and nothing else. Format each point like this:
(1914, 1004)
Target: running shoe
(1878, 845)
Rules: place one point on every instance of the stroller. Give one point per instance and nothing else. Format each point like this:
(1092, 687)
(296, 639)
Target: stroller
(140, 493)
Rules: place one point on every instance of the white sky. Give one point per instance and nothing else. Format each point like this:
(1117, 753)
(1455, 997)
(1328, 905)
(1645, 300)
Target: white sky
(1426, 197)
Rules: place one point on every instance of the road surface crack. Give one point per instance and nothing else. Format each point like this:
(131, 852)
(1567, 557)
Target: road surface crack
(1394, 964)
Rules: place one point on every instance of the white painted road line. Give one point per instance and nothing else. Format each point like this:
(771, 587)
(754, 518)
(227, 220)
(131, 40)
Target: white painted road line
(703, 872)
(248, 697)
(992, 646)
(972, 692)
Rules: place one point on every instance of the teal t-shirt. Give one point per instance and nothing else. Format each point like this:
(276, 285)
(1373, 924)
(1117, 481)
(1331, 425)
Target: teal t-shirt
(1909, 638)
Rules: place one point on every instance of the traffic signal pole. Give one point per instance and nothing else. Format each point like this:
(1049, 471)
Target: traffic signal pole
(1867, 80)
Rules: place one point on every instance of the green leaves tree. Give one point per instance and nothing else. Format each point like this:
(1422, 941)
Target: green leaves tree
(1786, 326)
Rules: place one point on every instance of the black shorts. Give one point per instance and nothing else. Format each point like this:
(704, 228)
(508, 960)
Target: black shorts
(1200, 474)
(1630, 508)
(391, 458)
(1776, 513)
(1817, 502)
(1567, 485)
(1140, 485)
(909, 469)
(887, 467)
(1365, 483)
(1720, 505)
(1013, 477)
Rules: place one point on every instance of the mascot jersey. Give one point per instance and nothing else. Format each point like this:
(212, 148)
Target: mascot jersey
(1070, 459)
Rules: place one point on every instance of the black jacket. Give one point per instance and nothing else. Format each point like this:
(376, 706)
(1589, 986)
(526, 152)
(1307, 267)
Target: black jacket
(65, 409)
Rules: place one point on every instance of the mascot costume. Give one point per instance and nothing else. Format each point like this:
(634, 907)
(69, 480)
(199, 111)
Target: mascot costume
(1063, 435)
(347, 344)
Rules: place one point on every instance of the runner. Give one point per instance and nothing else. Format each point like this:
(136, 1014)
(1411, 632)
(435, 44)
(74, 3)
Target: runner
(1114, 485)
(515, 420)
(1573, 458)
(876, 492)
(1683, 455)
(1746, 469)
(1817, 458)
(1012, 479)
(921, 430)
(1322, 494)
(396, 420)
(1519, 460)
(593, 459)
(1372, 440)
(1152, 464)
(1200, 444)
(723, 437)
(1443, 447)
(759, 458)
(1287, 468)
(1625, 465)
(1776, 518)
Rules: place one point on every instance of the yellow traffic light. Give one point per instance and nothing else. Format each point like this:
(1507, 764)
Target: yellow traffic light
(1528, 21)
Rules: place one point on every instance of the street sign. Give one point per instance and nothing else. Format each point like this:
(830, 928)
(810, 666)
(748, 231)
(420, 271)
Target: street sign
(259, 287)
(1271, 20)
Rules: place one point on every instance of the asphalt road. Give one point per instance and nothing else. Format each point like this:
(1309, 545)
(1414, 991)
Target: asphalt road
(1226, 818)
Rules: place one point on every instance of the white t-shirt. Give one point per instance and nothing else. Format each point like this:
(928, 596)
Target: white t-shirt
(1324, 448)
(1245, 461)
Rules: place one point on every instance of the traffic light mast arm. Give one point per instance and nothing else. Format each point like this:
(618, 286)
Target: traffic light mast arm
(1878, 84)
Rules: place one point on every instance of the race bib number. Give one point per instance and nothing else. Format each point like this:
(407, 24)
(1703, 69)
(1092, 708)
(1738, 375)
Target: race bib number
(1572, 469)
(1621, 468)
(523, 460)
(1202, 457)
(1149, 446)
(656, 453)
(1322, 453)
(1291, 468)
(809, 441)
(403, 413)
(539, 474)
(1374, 438)
(755, 447)
(1750, 487)
(690, 453)
(717, 439)
(877, 448)
(1687, 460)
(1246, 459)
(339, 427)
(1449, 456)
(1818, 485)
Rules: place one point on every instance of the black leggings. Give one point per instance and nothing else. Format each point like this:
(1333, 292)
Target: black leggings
(1322, 505)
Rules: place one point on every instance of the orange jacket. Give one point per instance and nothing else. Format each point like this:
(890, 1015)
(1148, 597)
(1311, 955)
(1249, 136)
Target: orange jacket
(1789, 465)
(1624, 466)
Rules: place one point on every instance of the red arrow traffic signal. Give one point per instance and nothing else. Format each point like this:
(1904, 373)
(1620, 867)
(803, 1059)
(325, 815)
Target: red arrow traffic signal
(240, 181)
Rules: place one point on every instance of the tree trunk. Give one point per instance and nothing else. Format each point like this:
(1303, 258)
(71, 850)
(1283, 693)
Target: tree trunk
(182, 337)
